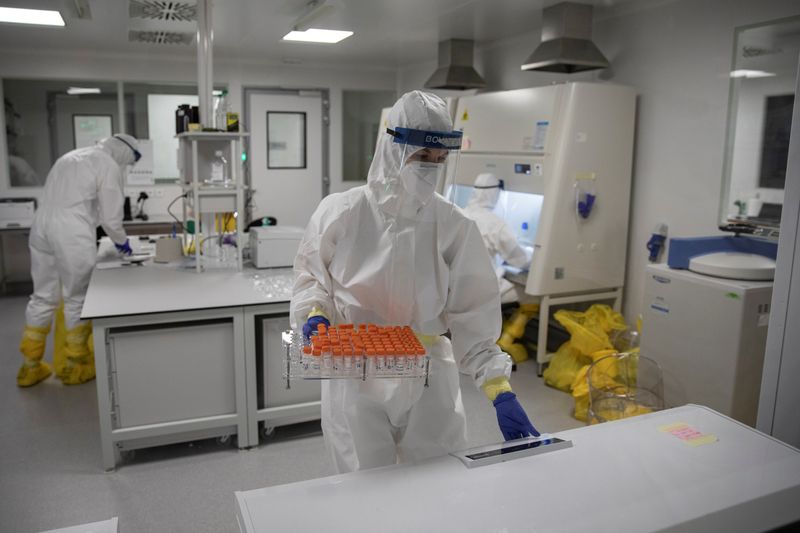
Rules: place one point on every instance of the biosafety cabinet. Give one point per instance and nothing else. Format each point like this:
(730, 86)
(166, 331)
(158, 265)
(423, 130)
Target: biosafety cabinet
(565, 155)
(563, 143)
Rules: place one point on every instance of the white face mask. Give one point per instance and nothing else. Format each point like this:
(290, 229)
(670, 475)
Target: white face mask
(419, 179)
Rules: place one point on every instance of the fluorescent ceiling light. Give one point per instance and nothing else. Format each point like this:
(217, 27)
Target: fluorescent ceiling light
(83, 90)
(40, 17)
(744, 73)
(315, 35)
(216, 92)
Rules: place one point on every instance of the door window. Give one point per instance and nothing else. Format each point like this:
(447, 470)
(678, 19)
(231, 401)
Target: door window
(286, 139)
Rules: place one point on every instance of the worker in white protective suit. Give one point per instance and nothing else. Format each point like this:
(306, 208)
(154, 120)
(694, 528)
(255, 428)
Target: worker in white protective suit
(82, 190)
(498, 238)
(393, 252)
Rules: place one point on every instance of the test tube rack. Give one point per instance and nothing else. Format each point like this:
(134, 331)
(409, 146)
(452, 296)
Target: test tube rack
(403, 357)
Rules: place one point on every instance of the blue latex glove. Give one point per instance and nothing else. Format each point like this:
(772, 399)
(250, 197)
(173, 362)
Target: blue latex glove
(511, 417)
(310, 327)
(124, 249)
(585, 207)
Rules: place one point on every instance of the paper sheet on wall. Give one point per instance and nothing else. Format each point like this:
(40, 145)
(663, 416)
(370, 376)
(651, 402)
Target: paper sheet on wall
(88, 129)
(142, 172)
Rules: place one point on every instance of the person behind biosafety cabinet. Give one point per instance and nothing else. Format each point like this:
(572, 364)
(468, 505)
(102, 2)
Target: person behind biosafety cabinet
(393, 252)
(82, 190)
(498, 238)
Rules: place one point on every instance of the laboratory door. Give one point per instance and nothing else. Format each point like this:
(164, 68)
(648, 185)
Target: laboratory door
(287, 155)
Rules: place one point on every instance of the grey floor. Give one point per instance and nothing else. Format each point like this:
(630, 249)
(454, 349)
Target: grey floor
(51, 476)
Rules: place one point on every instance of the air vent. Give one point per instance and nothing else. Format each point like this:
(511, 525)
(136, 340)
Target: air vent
(163, 10)
(160, 37)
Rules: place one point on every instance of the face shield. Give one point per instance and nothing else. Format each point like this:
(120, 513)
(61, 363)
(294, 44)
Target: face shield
(428, 160)
(137, 155)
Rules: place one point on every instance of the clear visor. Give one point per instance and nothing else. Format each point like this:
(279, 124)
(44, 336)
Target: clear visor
(429, 161)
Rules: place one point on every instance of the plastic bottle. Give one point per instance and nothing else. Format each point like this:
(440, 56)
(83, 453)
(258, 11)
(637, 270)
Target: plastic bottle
(221, 112)
(219, 169)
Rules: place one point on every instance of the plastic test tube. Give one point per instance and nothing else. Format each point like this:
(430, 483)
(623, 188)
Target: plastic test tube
(389, 352)
(316, 355)
(358, 359)
(307, 357)
(400, 360)
(372, 364)
(327, 361)
(338, 361)
(380, 359)
(420, 352)
(348, 361)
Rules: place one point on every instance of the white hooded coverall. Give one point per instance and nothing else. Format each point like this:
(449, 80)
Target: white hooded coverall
(378, 254)
(83, 188)
(497, 236)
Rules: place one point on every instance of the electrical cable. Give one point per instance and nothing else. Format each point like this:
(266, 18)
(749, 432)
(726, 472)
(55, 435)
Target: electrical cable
(179, 221)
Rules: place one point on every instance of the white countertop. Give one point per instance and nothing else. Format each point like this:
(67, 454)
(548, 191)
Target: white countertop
(15, 226)
(151, 219)
(619, 476)
(153, 288)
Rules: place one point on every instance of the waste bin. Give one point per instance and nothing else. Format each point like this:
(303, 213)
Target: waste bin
(623, 385)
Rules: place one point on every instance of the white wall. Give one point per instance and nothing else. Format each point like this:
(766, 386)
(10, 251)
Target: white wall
(678, 56)
(165, 68)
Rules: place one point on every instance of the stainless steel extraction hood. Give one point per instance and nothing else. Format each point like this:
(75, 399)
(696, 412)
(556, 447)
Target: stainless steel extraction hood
(455, 67)
(566, 41)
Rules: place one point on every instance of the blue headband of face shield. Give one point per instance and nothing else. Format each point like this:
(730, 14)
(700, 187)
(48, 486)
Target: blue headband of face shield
(137, 155)
(439, 140)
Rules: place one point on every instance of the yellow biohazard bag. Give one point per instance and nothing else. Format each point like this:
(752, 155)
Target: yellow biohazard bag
(590, 333)
(580, 385)
(564, 366)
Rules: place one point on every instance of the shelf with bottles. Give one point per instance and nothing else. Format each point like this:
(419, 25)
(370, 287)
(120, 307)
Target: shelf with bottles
(355, 352)
(210, 157)
(211, 168)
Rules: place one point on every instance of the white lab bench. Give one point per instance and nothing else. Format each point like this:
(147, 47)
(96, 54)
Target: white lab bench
(182, 355)
(627, 475)
(15, 257)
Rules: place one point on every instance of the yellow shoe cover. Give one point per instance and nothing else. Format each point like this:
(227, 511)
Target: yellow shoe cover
(32, 343)
(32, 372)
(77, 373)
(79, 367)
